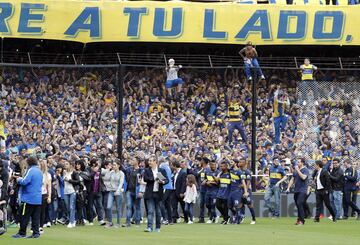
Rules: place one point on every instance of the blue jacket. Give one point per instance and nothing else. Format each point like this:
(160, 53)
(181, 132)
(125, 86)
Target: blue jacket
(350, 177)
(169, 185)
(31, 186)
(127, 180)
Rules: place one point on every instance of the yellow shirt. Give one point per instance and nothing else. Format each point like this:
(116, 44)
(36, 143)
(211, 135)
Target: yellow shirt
(279, 108)
(108, 101)
(83, 90)
(234, 112)
(2, 130)
(20, 102)
(307, 72)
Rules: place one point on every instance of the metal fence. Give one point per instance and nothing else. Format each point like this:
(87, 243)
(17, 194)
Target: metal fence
(160, 60)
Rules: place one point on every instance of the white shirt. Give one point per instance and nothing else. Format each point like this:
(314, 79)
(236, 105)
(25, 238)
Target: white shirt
(172, 73)
(156, 183)
(46, 180)
(68, 187)
(190, 194)
(175, 177)
(319, 186)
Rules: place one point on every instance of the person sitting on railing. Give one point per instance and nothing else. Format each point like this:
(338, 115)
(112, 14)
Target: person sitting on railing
(172, 78)
(249, 55)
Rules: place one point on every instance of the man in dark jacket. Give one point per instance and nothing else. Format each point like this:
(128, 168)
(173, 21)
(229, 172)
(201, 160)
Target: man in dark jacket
(350, 180)
(4, 170)
(200, 177)
(155, 178)
(92, 182)
(337, 184)
(180, 188)
(3, 199)
(323, 189)
(133, 195)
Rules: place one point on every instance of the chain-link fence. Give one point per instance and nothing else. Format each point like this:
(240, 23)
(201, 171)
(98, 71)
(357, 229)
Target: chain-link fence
(329, 119)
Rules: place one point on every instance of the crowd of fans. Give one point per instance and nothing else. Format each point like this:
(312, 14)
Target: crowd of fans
(68, 119)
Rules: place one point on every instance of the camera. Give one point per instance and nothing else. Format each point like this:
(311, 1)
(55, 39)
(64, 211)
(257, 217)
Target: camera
(17, 174)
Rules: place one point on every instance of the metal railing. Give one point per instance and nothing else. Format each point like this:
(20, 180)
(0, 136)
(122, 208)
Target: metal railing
(159, 60)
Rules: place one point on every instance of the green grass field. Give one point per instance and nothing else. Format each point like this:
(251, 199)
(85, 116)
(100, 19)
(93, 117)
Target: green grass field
(266, 231)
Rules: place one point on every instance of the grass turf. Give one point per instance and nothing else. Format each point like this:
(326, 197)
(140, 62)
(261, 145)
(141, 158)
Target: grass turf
(266, 231)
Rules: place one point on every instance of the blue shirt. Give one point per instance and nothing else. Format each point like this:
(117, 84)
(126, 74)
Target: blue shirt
(200, 177)
(168, 186)
(224, 186)
(210, 176)
(235, 175)
(350, 177)
(246, 176)
(301, 185)
(31, 186)
(276, 174)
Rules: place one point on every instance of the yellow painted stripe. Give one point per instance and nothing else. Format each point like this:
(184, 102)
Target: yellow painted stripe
(225, 181)
(210, 178)
(234, 176)
(275, 176)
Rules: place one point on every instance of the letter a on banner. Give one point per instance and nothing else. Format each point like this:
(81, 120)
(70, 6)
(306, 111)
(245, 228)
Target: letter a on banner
(258, 22)
(88, 20)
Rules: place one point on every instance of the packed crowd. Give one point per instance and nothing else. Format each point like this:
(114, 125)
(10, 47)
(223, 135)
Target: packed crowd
(68, 120)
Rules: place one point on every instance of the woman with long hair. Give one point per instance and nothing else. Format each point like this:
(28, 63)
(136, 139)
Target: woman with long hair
(190, 197)
(71, 183)
(114, 181)
(80, 195)
(46, 193)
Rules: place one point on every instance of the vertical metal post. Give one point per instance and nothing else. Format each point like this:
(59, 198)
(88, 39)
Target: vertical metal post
(210, 61)
(2, 50)
(120, 95)
(165, 59)
(340, 61)
(29, 58)
(296, 63)
(253, 132)
(75, 62)
(118, 56)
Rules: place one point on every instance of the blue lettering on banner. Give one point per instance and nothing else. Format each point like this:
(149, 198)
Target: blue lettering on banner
(160, 20)
(88, 20)
(26, 16)
(284, 25)
(209, 26)
(258, 22)
(134, 20)
(5, 14)
(337, 18)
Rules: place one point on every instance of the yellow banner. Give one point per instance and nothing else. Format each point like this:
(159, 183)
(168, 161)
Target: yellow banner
(149, 21)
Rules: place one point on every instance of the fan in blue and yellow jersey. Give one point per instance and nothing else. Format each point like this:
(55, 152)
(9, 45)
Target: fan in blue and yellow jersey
(236, 192)
(211, 190)
(3, 131)
(277, 176)
(307, 71)
(246, 176)
(281, 100)
(224, 181)
(308, 82)
(234, 116)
